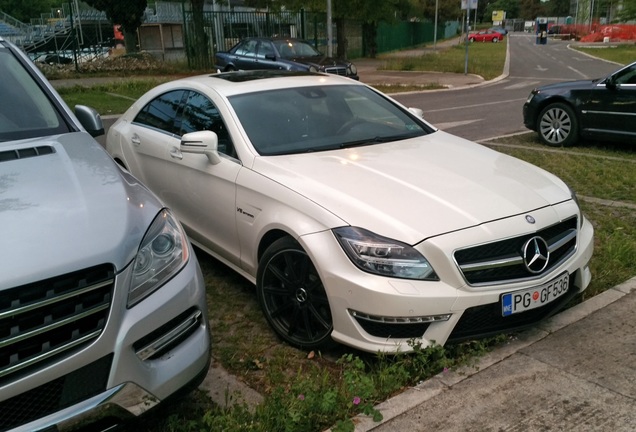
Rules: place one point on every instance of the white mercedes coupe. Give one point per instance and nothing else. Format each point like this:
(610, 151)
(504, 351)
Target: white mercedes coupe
(356, 220)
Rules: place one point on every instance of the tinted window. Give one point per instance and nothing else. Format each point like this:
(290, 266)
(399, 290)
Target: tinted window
(200, 114)
(265, 49)
(161, 112)
(25, 110)
(627, 75)
(247, 48)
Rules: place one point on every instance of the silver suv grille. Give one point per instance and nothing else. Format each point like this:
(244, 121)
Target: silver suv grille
(47, 320)
(502, 261)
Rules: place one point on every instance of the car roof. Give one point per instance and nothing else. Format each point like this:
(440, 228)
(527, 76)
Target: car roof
(240, 82)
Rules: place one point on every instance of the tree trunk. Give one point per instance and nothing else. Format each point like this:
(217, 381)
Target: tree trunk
(130, 40)
(341, 38)
(199, 42)
(369, 36)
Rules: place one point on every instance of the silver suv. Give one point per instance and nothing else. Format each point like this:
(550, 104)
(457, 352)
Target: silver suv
(102, 301)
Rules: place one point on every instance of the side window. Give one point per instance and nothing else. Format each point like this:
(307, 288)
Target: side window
(627, 76)
(200, 114)
(265, 49)
(161, 112)
(247, 49)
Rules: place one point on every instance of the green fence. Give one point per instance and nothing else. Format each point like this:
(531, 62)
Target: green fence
(392, 37)
(222, 30)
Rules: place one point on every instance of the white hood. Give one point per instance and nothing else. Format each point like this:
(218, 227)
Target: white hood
(414, 189)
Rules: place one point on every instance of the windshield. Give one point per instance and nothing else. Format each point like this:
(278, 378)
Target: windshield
(290, 49)
(319, 118)
(25, 111)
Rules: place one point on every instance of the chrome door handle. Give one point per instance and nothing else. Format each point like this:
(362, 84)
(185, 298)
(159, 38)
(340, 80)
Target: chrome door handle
(175, 153)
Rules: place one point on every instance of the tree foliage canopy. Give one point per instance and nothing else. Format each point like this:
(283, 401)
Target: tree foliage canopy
(128, 14)
(25, 10)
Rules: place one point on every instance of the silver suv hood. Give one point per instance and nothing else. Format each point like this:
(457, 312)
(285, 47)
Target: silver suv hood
(67, 210)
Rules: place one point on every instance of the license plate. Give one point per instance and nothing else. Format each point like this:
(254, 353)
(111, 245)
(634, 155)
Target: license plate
(520, 301)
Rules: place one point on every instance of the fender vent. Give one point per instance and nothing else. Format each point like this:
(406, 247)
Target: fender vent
(9, 155)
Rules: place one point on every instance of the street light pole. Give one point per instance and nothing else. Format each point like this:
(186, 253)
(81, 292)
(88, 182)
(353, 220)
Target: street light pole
(329, 30)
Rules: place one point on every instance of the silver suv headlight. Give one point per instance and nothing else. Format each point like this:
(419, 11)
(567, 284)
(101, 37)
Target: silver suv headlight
(162, 253)
(383, 256)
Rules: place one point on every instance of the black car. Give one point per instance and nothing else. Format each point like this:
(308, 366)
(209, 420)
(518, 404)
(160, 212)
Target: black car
(603, 109)
(281, 54)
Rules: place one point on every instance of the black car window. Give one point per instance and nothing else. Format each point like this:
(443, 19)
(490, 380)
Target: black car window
(247, 48)
(201, 114)
(626, 76)
(265, 49)
(161, 112)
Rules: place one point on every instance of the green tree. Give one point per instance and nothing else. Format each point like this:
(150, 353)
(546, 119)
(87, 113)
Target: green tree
(629, 10)
(530, 9)
(128, 14)
(557, 8)
(25, 10)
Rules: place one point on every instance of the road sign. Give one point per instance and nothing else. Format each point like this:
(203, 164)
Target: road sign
(469, 4)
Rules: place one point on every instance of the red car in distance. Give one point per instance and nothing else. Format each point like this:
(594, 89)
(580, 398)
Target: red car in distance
(485, 36)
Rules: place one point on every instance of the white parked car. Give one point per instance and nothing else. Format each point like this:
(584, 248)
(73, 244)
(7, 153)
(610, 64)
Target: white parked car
(102, 302)
(356, 220)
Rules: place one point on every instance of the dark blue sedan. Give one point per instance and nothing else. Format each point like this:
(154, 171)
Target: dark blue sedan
(602, 109)
(281, 54)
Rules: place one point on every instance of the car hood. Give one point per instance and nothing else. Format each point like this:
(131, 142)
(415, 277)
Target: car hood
(418, 188)
(67, 210)
(319, 61)
(562, 87)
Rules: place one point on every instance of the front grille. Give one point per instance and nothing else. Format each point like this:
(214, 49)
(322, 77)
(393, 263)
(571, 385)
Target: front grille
(487, 320)
(502, 261)
(337, 71)
(45, 321)
(55, 395)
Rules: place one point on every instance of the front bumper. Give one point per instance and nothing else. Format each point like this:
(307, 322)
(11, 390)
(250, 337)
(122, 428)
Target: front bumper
(375, 313)
(144, 355)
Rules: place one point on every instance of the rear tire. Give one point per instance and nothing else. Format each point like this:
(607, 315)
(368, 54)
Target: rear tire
(293, 297)
(495, 40)
(558, 126)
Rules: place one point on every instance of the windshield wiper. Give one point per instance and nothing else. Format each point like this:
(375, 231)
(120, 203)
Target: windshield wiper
(379, 140)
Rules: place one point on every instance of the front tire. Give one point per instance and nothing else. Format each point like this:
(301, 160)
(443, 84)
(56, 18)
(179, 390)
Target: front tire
(495, 40)
(293, 297)
(558, 125)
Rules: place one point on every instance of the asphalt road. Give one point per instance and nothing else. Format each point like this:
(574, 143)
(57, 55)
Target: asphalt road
(494, 109)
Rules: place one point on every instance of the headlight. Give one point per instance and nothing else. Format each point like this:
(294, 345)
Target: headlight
(383, 256)
(353, 69)
(313, 68)
(531, 95)
(578, 205)
(162, 253)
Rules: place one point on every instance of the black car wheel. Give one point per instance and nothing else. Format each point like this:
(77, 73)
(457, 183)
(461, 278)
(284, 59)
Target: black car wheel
(293, 297)
(558, 125)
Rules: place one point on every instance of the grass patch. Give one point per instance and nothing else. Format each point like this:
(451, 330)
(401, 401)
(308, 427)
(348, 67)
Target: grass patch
(484, 59)
(113, 98)
(623, 53)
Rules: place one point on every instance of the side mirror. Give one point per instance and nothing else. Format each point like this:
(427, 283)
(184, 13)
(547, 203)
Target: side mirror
(610, 83)
(203, 142)
(90, 119)
(418, 112)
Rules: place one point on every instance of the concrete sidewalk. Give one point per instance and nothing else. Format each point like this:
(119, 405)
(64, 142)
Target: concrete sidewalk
(575, 371)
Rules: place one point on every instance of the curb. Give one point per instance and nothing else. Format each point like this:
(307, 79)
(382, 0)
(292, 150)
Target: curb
(444, 381)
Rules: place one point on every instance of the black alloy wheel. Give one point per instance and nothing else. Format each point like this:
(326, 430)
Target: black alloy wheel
(293, 297)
